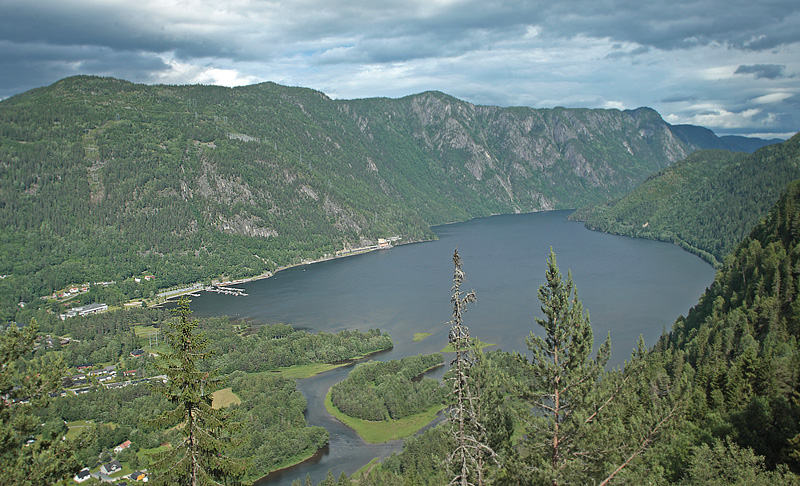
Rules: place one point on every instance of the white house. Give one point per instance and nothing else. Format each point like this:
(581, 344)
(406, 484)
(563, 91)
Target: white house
(111, 467)
(82, 475)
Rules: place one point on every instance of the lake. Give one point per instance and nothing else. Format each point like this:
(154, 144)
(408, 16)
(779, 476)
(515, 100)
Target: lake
(629, 287)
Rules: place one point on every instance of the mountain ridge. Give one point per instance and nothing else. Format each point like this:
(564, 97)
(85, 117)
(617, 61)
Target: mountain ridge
(102, 179)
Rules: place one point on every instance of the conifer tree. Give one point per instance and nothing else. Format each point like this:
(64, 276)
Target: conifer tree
(587, 423)
(563, 373)
(199, 458)
(25, 385)
(468, 457)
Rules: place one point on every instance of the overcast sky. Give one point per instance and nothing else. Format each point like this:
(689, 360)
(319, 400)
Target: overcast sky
(730, 65)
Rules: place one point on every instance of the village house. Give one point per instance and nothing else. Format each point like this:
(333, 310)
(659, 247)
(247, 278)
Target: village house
(122, 446)
(111, 467)
(82, 475)
(139, 476)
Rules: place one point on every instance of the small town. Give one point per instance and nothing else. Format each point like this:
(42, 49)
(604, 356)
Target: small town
(91, 378)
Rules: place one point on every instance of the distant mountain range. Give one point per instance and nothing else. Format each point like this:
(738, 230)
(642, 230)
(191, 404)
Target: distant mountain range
(102, 179)
(705, 138)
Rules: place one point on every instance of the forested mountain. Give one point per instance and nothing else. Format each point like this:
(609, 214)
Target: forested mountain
(102, 179)
(741, 342)
(706, 203)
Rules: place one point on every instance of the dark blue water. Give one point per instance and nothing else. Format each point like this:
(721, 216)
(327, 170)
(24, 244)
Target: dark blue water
(629, 287)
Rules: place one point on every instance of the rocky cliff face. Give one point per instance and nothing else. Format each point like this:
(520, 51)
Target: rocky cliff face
(523, 158)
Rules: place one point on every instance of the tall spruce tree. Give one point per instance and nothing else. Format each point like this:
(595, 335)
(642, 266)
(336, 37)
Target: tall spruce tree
(588, 424)
(199, 458)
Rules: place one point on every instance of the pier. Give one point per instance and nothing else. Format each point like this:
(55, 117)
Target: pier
(226, 290)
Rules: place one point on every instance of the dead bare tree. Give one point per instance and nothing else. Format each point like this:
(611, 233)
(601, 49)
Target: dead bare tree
(469, 456)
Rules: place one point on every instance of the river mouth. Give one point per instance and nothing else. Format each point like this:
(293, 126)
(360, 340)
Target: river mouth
(629, 287)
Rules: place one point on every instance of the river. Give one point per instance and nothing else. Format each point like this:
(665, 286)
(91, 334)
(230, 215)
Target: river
(629, 287)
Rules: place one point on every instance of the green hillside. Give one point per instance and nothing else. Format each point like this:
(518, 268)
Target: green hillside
(741, 342)
(104, 180)
(706, 203)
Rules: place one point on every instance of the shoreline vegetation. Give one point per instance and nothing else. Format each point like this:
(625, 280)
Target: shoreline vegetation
(300, 372)
(290, 463)
(386, 430)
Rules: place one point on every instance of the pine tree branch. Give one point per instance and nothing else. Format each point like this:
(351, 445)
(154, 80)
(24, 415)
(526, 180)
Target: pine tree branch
(643, 445)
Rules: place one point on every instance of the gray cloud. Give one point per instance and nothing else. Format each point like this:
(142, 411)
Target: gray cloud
(250, 28)
(766, 71)
(632, 53)
(679, 98)
(610, 53)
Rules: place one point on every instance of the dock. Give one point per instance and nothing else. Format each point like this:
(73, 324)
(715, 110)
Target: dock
(226, 290)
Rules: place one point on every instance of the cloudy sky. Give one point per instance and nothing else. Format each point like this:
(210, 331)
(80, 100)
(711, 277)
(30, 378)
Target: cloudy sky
(729, 65)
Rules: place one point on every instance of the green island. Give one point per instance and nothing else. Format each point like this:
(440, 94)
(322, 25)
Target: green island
(384, 401)
(387, 430)
(419, 336)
